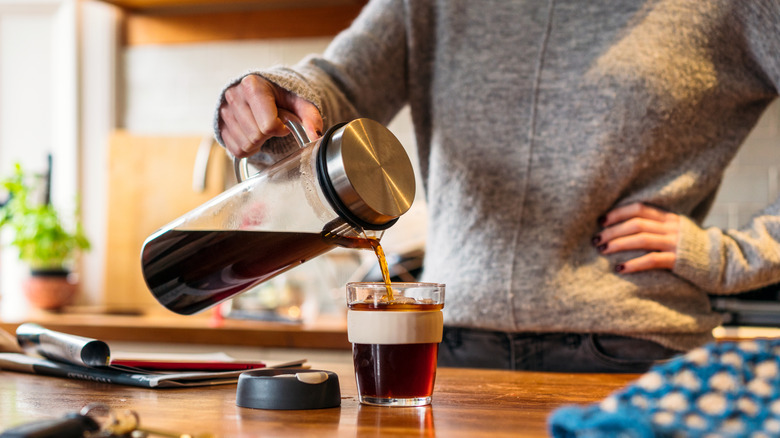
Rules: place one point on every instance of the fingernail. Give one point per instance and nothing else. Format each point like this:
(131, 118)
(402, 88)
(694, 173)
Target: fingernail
(602, 247)
(596, 239)
(620, 268)
(602, 220)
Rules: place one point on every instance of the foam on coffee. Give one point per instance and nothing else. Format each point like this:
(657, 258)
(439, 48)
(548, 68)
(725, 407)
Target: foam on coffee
(394, 327)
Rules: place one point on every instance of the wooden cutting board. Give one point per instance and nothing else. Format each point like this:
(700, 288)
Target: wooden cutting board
(150, 185)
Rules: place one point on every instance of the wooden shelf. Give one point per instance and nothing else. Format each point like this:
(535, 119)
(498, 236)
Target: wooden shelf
(196, 21)
(169, 5)
(327, 333)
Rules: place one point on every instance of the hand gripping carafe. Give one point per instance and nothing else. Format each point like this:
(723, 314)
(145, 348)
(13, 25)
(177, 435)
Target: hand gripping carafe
(340, 190)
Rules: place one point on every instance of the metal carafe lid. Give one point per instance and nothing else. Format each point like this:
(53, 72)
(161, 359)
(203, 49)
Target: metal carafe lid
(367, 169)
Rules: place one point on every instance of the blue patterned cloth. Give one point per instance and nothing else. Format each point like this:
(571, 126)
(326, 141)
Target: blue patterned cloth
(728, 389)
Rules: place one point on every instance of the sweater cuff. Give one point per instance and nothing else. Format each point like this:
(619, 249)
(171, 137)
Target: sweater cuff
(699, 259)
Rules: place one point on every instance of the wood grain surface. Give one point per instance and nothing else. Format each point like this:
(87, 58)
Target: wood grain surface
(467, 403)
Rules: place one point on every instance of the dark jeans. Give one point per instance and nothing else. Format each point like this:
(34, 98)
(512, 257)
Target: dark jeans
(560, 352)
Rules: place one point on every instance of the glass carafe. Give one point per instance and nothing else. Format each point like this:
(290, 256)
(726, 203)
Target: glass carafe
(340, 190)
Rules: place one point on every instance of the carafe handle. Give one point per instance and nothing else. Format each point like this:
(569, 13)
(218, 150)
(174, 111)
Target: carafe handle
(241, 165)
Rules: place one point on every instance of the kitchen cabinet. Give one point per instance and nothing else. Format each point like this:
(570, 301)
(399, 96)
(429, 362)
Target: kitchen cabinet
(196, 21)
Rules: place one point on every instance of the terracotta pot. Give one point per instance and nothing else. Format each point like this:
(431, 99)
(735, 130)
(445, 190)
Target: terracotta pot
(50, 290)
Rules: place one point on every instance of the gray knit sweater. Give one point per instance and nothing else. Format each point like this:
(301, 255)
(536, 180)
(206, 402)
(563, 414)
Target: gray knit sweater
(534, 118)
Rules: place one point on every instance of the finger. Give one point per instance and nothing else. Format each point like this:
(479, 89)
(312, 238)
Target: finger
(307, 112)
(653, 260)
(626, 212)
(239, 145)
(640, 241)
(634, 226)
(232, 145)
(247, 123)
(233, 114)
(262, 106)
(310, 117)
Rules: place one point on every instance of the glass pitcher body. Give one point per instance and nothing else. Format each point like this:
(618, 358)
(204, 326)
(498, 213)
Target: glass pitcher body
(291, 212)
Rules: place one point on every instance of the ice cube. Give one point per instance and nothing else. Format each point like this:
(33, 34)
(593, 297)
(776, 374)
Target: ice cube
(399, 299)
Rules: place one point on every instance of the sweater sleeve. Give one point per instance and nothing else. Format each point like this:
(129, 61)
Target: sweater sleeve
(361, 74)
(731, 261)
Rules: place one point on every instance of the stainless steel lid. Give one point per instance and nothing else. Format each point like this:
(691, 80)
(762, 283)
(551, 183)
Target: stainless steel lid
(370, 171)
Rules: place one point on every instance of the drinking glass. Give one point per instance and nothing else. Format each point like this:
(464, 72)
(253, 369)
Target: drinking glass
(395, 342)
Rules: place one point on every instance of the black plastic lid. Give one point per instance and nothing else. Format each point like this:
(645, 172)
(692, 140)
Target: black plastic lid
(288, 389)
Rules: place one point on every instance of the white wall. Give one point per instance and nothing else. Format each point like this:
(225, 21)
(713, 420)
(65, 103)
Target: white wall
(26, 118)
(38, 108)
(753, 178)
(38, 82)
(173, 89)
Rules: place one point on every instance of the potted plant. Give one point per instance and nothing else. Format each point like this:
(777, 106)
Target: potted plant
(43, 242)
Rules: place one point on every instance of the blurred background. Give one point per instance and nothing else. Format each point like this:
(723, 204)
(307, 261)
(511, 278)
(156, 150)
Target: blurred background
(121, 95)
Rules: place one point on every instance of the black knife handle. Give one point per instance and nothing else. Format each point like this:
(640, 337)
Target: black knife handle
(69, 426)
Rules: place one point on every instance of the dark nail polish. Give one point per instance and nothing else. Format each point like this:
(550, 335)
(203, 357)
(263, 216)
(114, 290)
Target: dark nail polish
(601, 220)
(596, 239)
(620, 268)
(602, 247)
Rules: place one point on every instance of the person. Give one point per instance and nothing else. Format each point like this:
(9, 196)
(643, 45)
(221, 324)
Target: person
(569, 152)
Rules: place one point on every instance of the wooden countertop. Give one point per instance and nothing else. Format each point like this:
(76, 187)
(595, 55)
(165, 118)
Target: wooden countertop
(467, 403)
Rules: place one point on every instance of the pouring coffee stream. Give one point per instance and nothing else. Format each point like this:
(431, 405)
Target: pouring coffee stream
(380, 255)
(341, 190)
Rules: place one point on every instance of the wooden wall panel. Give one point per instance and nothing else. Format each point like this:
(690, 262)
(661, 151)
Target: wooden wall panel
(150, 185)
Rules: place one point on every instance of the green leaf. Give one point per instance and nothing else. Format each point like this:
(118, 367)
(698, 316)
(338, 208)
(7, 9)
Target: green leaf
(38, 232)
